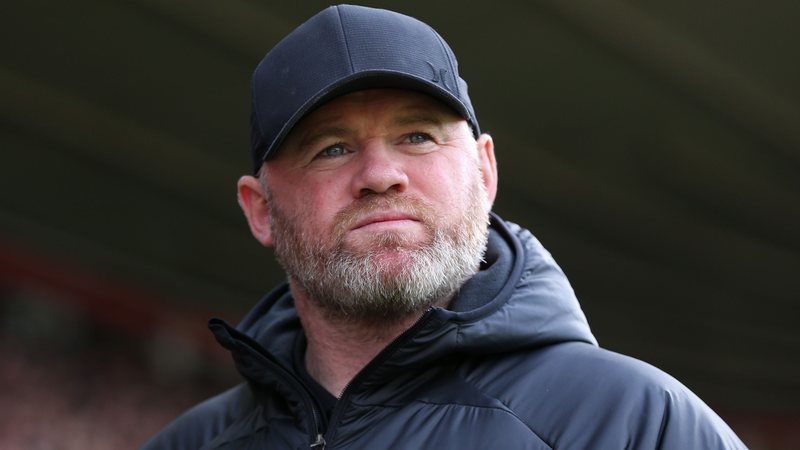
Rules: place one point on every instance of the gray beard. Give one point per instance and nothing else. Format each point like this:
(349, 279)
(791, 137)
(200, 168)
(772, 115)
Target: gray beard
(362, 286)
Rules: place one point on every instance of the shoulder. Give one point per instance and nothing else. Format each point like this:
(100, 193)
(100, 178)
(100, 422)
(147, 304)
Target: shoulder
(582, 396)
(572, 373)
(202, 423)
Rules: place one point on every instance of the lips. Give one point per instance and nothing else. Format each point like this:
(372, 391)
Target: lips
(382, 217)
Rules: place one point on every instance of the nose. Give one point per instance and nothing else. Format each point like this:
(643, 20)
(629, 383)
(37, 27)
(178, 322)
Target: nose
(380, 170)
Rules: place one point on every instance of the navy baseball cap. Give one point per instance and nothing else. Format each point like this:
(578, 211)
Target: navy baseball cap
(343, 49)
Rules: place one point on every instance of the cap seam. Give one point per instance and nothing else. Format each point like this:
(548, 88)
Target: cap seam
(346, 43)
(456, 78)
(449, 61)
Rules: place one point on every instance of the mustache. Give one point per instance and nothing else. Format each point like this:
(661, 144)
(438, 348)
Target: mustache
(347, 218)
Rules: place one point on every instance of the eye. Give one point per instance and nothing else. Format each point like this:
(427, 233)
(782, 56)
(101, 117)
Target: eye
(418, 138)
(333, 151)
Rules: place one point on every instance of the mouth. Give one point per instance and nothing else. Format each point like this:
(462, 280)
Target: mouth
(384, 219)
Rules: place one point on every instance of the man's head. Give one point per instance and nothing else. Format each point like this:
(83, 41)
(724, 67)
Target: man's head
(377, 199)
(345, 49)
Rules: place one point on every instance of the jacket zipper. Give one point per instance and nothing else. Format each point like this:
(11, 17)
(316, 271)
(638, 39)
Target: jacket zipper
(316, 421)
(377, 361)
(319, 444)
(256, 349)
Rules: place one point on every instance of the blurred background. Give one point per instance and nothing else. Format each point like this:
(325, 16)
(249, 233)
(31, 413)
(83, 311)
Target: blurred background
(652, 146)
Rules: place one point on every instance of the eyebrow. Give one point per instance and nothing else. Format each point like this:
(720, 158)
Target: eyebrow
(322, 133)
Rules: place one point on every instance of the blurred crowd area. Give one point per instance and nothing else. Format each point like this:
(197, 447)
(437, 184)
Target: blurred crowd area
(90, 400)
(66, 383)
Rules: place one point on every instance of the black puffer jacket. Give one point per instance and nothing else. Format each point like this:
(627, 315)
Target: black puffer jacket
(511, 365)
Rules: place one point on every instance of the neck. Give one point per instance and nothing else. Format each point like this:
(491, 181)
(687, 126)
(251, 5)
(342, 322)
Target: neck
(337, 349)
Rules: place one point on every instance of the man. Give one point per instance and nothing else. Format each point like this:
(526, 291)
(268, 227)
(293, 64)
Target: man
(413, 317)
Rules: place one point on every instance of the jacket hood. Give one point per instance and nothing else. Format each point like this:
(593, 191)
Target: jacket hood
(520, 299)
(532, 305)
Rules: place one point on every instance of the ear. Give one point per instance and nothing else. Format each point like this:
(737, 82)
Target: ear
(488, 165)
(254, 204)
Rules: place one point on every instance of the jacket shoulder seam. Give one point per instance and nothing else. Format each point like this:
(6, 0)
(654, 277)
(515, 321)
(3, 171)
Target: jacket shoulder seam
(509, 410)
(505, 410)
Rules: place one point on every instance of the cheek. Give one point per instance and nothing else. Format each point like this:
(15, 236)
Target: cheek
(449, 181)
(309, 199)
(321, 202)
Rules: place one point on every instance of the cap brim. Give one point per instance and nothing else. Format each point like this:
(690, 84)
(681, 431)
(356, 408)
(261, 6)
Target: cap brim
(372, 80)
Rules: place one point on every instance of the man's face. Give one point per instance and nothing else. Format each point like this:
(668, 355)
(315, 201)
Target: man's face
(378, 204)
